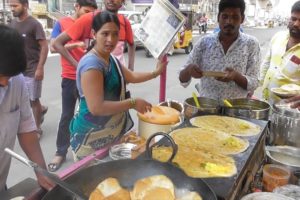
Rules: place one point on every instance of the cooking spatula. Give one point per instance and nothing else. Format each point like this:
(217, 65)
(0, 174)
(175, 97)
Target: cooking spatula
(78, 194)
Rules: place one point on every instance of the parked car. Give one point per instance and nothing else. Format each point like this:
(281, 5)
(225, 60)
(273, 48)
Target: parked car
(135, 18)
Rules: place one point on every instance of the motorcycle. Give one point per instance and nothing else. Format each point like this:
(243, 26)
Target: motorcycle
(202, 27)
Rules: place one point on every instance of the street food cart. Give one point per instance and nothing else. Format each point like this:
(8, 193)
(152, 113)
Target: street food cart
(87, 177)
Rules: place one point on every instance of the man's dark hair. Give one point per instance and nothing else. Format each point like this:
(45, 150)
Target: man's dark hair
(296, 7)
(90, 3)
(232, 4)
(12, 52)
(23, 2)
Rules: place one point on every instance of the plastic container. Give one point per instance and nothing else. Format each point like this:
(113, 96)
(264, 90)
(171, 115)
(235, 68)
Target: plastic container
(275, 176)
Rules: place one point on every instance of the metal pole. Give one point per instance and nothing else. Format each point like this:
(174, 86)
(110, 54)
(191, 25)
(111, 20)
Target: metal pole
(163, 80)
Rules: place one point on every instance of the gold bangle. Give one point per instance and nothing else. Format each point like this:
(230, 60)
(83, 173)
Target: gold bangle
(132, 102)
(154, 74)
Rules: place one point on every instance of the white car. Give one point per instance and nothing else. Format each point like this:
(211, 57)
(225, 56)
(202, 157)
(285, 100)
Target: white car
(135, 18)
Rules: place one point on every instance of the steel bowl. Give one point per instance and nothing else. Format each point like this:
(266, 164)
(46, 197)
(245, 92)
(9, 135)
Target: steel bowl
(287, 160)
(248, 108)
(285, 126)
(173, 104)
(207, 106)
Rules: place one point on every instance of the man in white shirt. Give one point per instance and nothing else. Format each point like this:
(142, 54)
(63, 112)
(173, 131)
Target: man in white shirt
(229, 51)
(15, 112)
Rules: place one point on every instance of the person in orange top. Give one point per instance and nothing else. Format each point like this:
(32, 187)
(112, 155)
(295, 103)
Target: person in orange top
(69, 91)
(81, 30)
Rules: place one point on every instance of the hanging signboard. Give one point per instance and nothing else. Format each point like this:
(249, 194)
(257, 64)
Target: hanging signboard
(142, 1)
(159, 26)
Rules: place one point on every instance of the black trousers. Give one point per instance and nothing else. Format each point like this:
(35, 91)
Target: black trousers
(69, 97)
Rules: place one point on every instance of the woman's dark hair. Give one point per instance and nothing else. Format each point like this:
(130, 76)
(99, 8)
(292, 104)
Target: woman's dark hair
(232, 4)
(296, 7)
(100, 19)
(12, 52)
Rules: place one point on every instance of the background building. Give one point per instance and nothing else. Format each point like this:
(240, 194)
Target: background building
(257, 11)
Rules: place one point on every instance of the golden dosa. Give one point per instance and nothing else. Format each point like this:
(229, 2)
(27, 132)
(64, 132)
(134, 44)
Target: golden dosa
(198, 163)
(161, 115)
(230, 125)
(210, 140)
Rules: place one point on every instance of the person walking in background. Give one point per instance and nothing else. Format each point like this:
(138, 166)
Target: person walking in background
(281, 64)
(15, 112)
(202, 23)
(69, 91)
(101, 81)
(230, 51)
(36, 48)
(81, 30)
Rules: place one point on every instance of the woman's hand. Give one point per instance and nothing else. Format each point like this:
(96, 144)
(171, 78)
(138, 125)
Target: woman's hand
(160, 66)
(142, 106)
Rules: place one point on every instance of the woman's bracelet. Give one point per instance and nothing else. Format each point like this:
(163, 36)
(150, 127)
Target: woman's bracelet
(154, 74)
(132, 102)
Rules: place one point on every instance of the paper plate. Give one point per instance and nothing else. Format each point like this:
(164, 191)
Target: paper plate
(18, 198)
(216, 74)
(291, 87)
(283, 93)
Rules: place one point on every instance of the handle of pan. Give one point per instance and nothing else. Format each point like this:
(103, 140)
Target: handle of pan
(173, 144)
(78, 194)
(20, 158)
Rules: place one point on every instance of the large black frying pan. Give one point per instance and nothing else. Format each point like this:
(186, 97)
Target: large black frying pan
(128, 171)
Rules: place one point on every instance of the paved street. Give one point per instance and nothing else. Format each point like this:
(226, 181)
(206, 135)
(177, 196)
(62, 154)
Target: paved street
(149, 91)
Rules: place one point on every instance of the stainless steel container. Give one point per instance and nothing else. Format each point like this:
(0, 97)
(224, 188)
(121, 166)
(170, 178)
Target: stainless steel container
(173, 104)
(285, 126)
(207, 106)
(286, 158)
(248, 108)
(176, 105)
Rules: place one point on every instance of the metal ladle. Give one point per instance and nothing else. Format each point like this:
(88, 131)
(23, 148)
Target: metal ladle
(78, 194)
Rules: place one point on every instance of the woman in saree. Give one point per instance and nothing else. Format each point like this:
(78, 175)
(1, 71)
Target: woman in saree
(101, 81)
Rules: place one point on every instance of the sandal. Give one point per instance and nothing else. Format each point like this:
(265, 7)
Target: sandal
(56, 163)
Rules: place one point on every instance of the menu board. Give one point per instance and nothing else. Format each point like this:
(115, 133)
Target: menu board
(159, 26)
